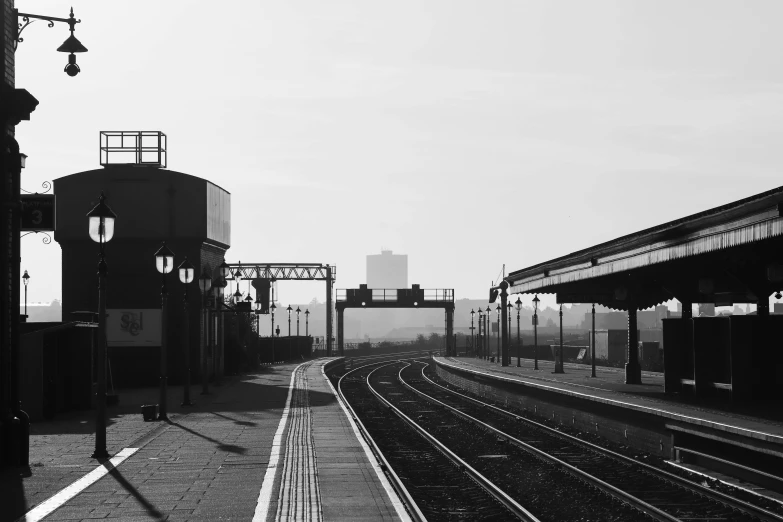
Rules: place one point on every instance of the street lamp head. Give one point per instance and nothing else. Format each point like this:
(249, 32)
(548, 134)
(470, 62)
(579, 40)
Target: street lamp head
(535, 302)
(307, 312)
(488, 310)
(225, 271)
(298, 311)
(509, 306)
(518, 303)
(186, 271)
(72, 45)
(26, 278)
(249, 299)
(22, 159)
(101, 220)
(498, 308)
(472, 313)
(272, 308)
(205, 282)
(164, 259)
(289, 310)
(237, 296)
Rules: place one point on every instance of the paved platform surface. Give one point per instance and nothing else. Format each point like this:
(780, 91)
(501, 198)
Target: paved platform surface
(762, 420)
(254, 449)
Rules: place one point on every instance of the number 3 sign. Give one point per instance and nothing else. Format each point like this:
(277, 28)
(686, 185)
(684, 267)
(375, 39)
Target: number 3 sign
(38, 212)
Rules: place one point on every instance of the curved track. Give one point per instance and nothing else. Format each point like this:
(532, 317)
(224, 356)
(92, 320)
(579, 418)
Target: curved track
(669, 496)
(437, 483)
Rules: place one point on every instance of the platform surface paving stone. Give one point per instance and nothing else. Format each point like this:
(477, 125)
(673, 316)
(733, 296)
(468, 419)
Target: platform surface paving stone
(209, 464)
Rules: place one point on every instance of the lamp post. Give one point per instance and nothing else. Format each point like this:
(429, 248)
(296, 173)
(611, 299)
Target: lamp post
(472, 333)
(204, 284)
(559, 365)
(535, 332)
(307, 323)
(272, 331)
(258, 321)
(592, 357)
(101, 229)
(509, 306)
(486, 332)
(164, 262)
(186, 274)
(498, 336)
(26, 281)
(289, 331)
(298, 348)
(478, 334)
(518, 304)
(218, 289)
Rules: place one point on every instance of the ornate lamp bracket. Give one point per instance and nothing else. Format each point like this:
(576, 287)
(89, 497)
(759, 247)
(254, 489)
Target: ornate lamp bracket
(26, 20)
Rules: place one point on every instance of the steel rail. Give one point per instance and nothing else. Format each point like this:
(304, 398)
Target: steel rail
(400, 355)
(639, 504)
(500, 495)
(717, 496)
(407, 500)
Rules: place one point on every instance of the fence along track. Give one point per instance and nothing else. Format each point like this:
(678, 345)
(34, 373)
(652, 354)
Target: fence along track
(662, 476)
(491, 502)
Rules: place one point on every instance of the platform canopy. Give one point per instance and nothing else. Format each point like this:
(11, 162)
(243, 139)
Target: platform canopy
(725, 255)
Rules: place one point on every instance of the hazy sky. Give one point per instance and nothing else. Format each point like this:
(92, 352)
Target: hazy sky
(466, 134)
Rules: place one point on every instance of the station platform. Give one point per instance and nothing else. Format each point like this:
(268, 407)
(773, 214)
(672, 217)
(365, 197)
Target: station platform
(640, 416)
(272, 445)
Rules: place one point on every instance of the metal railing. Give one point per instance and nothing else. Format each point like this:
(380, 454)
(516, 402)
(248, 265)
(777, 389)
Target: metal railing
(439, 294)
(143, 148)
(393, 294)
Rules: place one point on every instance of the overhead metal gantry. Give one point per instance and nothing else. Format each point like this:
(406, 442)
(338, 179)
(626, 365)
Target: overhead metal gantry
(413, 297)
(293, 272)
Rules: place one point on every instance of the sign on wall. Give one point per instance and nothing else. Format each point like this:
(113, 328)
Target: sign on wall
(133, 327)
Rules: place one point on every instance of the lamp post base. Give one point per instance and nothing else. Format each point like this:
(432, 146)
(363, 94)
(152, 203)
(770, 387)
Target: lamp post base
(100, 454)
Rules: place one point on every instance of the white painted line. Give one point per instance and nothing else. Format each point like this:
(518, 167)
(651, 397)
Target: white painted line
(46, 507)
(265, 495)
(395, 500)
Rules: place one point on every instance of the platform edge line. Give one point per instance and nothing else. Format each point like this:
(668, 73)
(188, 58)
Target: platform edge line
(48, 506)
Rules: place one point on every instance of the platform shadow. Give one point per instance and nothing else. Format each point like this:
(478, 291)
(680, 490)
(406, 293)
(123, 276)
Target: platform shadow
(149, 507)
(231, 448)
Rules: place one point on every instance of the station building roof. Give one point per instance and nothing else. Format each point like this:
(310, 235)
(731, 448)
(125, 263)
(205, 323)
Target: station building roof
(731, 253)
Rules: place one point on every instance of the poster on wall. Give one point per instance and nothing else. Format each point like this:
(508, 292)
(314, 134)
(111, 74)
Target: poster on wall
(133, 327)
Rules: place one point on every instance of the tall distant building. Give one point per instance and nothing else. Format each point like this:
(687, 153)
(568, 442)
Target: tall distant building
(387, 270)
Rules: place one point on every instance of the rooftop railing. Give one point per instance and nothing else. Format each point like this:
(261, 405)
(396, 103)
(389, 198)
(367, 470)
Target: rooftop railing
(142, 148)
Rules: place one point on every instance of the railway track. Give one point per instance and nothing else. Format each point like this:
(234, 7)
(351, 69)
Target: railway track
(669, 496)
(436, 484)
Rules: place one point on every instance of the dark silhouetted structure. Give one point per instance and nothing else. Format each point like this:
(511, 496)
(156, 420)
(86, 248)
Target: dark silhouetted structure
(153, 205)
